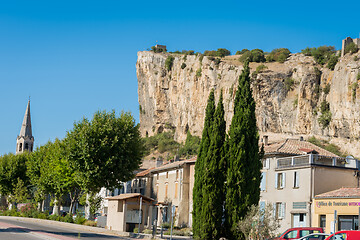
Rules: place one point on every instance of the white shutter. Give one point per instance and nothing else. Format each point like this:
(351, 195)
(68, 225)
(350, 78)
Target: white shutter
(276, 180)
(263, 181)
(283, 210)
(283, 180)
(297, 180)
(267, 163)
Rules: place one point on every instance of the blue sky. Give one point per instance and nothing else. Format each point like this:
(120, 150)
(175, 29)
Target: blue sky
(76, 57)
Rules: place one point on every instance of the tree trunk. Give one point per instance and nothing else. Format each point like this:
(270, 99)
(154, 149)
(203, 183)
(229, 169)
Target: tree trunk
(56, 208)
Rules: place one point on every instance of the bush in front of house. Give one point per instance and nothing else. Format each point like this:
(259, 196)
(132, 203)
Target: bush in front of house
(90, 223)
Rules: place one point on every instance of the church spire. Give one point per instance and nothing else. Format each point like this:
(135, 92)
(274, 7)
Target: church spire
(26, 130)
(25, 140)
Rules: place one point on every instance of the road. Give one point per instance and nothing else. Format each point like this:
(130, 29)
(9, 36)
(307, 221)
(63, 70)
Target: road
(35, 229)
(20, 230)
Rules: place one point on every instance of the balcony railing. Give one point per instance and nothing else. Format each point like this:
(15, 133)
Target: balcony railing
(314, 159)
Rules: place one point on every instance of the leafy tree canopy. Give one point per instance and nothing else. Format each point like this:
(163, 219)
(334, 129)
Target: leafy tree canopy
(105, 150)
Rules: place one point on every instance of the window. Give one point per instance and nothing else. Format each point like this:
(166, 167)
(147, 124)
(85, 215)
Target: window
(120, 206)
(323, 221)
(280, 180)
(157, 177)
(166, 189)
(20, 148)
(291, 234)
(176, 190)
(26, 146)
(279, 210)
(167, 174)
(339, 236)
(263, 181)
(177, 174)
(299, 205)
(266, 163)
(296, 180)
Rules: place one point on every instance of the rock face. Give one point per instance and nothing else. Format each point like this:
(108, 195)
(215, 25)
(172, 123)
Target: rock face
(288, 96)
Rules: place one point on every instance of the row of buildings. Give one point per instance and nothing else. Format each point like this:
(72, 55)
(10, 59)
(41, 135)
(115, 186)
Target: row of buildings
(295, 176)
(305, 184)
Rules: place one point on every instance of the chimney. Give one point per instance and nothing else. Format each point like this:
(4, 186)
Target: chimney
(265, 140)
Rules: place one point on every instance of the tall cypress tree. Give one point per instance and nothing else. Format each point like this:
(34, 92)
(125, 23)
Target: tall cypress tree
(214, 178)
(243, 163)
(199, 167)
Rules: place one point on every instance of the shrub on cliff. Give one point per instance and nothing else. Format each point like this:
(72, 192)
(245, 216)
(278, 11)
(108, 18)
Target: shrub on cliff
(255, 55)
(221, 52)
(169, 62)
(332, 62)
(325, 117)
(191, 146)
(162, 142)
(242, 51)
(278, 55)
(351, 48)
(321, 54)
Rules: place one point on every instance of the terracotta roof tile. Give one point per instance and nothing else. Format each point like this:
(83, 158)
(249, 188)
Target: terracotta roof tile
(129, 195)
(174, 164)
(144, 173)
(296, 147)
(341, 193)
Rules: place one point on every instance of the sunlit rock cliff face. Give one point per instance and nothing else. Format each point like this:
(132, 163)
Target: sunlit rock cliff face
(288, 96)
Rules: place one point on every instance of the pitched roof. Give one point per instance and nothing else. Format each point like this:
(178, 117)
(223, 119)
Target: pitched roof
(341, 193)
(26, 125)
(128, 196)
(144, 172)
(296, 147)
(174, 164)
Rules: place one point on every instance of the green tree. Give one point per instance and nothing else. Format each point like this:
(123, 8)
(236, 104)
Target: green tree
(191, 146)
(105, 150)
(12, 168)
(278, 55)
(255, 55)
(199, 167)
(51, 173)
(259, 223)
(241, 52)
(214, 178)
(222, 52)
(243, 160)
(332, 62)
(21, 193)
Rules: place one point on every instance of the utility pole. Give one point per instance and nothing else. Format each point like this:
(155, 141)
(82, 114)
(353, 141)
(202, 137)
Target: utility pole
(140, 215)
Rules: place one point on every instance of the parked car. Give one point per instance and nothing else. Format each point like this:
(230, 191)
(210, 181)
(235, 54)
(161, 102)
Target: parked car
(298, 232)
(315, 236)
(345, 235)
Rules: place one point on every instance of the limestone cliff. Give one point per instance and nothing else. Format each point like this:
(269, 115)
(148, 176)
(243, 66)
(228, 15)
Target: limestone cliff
(288, 96)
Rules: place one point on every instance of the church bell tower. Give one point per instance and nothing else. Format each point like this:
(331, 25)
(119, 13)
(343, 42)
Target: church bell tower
(25, 140)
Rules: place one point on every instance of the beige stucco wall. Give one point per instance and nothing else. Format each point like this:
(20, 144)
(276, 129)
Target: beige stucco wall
(322, 179)
(288, 194)
(115, 219)
(331, 178)
(183, 181)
